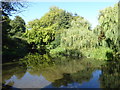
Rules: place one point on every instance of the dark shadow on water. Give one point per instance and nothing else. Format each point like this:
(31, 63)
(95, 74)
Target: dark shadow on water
(110, 77)
(8, 87)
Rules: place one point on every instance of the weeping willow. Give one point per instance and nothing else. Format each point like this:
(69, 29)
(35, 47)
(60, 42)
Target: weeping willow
(79, 35)
(105, 36)
(107, 30)
(79, 38)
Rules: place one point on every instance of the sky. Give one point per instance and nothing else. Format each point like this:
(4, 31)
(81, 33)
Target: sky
(88, 10)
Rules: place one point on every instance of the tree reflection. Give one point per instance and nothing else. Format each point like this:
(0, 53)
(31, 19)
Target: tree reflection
(80, 76)
(110, 77)
(65, 68)
(9, 70)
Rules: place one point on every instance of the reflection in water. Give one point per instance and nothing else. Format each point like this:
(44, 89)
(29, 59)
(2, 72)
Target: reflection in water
(110, 77)
(65, 73)
(12, 70)
(68, 81)
(29, 80)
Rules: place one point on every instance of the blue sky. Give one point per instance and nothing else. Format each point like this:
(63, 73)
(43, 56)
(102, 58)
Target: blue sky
(88, 10)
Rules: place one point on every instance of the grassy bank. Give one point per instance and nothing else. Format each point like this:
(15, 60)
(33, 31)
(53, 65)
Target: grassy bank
(101, 53)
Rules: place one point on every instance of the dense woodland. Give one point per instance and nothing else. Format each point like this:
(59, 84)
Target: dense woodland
(60, 33)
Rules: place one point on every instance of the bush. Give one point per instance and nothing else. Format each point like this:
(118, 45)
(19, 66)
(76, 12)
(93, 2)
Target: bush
(101, 53)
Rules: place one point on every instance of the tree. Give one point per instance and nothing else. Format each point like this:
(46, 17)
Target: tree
(9, 7)
(18, 26)
(40, 37)
(12, 47)
(107, 31)
(6, 28)
(79, 35)
(57, 18)
(47, 29)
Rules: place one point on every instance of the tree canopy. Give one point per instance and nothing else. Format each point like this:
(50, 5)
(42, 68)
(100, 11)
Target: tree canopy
(18, 26)
(107, 31)
(59, 31)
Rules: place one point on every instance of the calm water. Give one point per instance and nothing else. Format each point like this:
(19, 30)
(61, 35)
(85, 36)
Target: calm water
(66, 73)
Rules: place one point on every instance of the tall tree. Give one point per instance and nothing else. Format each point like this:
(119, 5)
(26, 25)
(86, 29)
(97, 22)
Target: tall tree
(46, 29)
(6, 28)
(11, 47)
(107, 31)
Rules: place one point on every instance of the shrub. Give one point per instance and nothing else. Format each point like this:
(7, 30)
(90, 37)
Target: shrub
(101, 53)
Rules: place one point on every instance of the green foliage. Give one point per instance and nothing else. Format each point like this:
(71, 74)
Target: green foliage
(48, 28)
(78, 38)
(79, 22)
(18, 27)
(62, 33)
(12, 47)
(57, 18)
(5, 29)
(101, 53)
(107, 31)
(41, 36)
(75, 38)
(103, 39)
(56, 52)
(65, 52)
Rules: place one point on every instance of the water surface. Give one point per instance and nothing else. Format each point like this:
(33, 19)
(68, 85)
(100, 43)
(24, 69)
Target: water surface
(66, 73)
